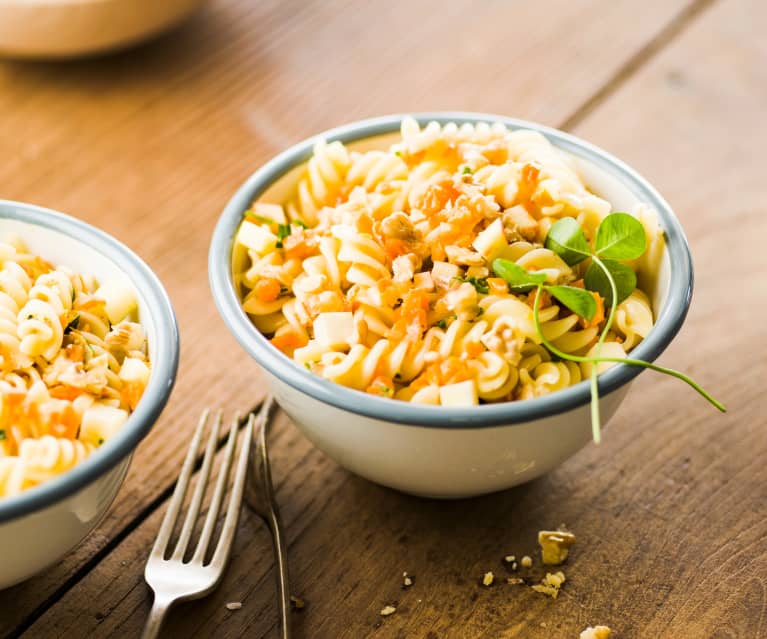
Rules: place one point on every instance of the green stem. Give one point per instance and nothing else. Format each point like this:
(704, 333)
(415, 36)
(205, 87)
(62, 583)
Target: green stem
(662, 369)
(618, 360)
(595, 421)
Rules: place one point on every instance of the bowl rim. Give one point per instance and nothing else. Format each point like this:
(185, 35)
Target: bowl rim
(164, 365)
(668, 321)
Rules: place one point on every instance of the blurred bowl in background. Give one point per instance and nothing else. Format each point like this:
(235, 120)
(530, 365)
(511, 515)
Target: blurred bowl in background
(71, 28)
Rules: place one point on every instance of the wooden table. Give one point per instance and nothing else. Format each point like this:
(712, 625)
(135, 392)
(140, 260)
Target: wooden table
(669, 511)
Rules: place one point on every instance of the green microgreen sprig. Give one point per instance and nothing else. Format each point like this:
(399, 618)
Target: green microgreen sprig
(620, 237)
(479, 283)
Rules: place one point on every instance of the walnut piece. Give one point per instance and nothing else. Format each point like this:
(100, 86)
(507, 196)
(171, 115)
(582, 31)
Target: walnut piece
(550, 584)
(555, 545)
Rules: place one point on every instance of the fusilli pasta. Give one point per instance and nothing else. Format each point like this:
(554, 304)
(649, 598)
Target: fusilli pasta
(377, 274)
(72, 366)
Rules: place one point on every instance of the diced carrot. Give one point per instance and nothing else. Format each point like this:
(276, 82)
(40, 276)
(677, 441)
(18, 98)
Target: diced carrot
(473, 349)
(288, 341)
(497, 286)
(599, 316)
(69, 393)
(411, 316)
(131, 394)
(94, 306)
(394, 247)
(267, 290)
(382, 386)
(75, 352)
(496, 152)
(453, 370)
(298, 246)
(544, 302)
(528, 184)
(437, 196)
(66, 424)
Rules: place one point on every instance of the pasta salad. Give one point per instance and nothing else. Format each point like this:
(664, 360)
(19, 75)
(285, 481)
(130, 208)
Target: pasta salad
(381, 271)
(73, 365)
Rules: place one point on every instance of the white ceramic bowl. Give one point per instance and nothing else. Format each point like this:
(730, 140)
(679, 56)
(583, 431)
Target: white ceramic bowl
(70, 28)
(42, 524)
(435, 450)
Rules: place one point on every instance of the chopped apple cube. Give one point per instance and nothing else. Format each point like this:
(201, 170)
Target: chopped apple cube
(258, 238)
(120, 300)
(134, 370)
(492, 241)
(443, 273)
(424, 281)
(270, 211)
(334, 329)
(101, 422)
(460, 394)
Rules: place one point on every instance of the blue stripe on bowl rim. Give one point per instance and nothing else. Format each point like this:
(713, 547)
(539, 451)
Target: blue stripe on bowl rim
(668, 321)
(164, 364)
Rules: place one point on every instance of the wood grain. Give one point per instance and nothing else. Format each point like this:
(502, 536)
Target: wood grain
(669, 511)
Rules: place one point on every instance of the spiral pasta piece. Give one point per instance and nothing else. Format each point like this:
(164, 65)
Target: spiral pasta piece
(322, 182)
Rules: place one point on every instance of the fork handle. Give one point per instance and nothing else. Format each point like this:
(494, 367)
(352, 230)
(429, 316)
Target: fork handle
(281, 571)
(160, 608)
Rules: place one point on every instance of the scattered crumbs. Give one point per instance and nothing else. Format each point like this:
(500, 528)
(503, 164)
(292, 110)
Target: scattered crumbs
(597, 632)
(550, 584)
(509, 559)
(526, 562)
(546, 590)
(543, 624)
(234, 605)
(555, 545)
(407, 580)
(388, 610)
(297, 603)
(514, 581)
(488, 579)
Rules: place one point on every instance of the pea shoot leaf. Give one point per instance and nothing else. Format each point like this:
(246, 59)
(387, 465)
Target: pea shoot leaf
(518, 279)
(578, 300)
(625, 280)
(566, 239)
(620, 236)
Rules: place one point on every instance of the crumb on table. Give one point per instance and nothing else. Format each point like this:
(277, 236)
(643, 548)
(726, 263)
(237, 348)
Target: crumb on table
(388, 610)
(234, 605)
(488, 579)
(597, 632)
(526, 561)
(555, 544)
(550, 584)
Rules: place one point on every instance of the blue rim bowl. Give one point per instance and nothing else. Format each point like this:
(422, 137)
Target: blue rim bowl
(164, 362)
(668, 321)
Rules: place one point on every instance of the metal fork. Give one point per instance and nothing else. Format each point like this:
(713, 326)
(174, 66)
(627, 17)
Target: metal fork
(174, 580)
(260, 497)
